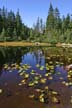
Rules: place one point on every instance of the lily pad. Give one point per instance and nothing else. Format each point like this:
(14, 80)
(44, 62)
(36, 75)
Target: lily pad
(55, 100)
(31, 96)
(1, 91)
(42, 68)
(43, 80)
(37, 65)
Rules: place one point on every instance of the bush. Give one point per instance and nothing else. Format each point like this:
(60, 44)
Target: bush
(54, 41)
(7, 39)
(1, 40)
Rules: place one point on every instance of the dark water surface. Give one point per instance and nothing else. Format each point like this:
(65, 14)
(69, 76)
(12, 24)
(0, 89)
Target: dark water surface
(25, 70)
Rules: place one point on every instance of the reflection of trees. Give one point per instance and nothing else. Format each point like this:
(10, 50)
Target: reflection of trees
(2, 60)
(38, 54)
(58, 54)
(14, 54)
(11, 54)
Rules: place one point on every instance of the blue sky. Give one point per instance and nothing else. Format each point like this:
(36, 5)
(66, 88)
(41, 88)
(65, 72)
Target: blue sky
(31, 9)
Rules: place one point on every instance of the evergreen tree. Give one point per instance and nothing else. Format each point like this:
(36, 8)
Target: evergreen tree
(14, 34)
(67, 22)
(18, 23)
(23, 32)
(56, 13)
(1, 26)
(37, 26)
(57, 21)
(10, 23)
(4, 17)
(50, 19)
(42, 26)
(3, 35)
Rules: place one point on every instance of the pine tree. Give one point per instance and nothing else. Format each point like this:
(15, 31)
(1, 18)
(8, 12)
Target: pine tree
(23, 32)
(18, 23)
(1, 26)
(57, 21)
(56, 13)
(37, 26)
(41, 26)
(10, 23)
(14, 34)
(67, 21)
(50, 19)
(4, 17)
(3, 34)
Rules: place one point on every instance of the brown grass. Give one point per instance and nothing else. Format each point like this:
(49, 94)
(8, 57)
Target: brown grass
(22, 44)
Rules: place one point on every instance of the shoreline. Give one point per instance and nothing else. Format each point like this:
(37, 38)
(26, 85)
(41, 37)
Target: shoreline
(33, 44)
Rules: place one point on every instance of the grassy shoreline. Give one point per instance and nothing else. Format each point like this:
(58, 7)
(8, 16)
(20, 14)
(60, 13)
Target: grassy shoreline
(33, 44)
(23, 44)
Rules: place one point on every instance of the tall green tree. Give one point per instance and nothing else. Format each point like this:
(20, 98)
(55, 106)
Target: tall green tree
(3, 35)
(67, 22)
(57, 21)
(10, 23)
(1, 20)
(14, 34)
(4, 17)
(37, 26)
(50, 19)
(18, 23)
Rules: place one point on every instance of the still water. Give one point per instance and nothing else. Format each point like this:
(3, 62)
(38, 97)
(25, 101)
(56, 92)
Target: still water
(36, 77)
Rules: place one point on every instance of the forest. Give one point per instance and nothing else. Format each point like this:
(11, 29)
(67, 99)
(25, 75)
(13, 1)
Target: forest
(56, 28)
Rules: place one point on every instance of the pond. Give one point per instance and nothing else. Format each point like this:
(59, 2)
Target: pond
(36, 77)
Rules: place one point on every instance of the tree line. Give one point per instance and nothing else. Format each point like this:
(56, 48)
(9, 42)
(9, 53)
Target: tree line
(55, 29)
(11, 26)
(58, 29)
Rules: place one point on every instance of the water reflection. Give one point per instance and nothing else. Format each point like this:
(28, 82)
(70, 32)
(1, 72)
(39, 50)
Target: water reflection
(33, 58)
(35, 55)
(35, 71)
(11, 55)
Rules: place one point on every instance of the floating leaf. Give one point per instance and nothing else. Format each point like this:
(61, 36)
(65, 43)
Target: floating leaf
(41, 96)
(46, 87)
(36, 77)
(47, 68)
(63, 82)
(47, 74)
(26, 76)
(1, 91)
(35, 82)
(54, 93)
(50, 77)
(21, 73)
(23, 81)
(42, 68)
(58, 73)
(42, 100)
(31, 84)
(61, 78)
(70, 83)
(37, 65)
(66, 84)
(43, 80)
(20, 84)
(38, 90)
(55, 100)
(31, 96)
